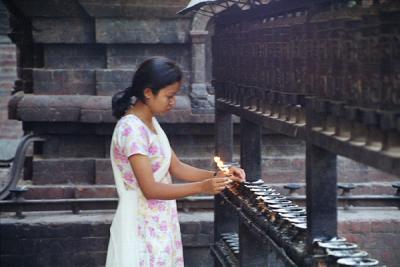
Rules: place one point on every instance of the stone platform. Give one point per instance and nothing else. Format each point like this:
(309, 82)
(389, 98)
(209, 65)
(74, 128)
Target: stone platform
(64, 239)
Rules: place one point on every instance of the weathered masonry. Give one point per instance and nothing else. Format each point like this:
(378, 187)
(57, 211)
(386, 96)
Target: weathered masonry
(326, 72)
(72, 56)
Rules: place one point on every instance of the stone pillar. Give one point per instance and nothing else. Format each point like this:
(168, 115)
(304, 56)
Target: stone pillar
(9, 129)
(201, 99)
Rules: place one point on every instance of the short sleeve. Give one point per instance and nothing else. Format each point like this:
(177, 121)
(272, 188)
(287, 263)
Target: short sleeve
(134, 139)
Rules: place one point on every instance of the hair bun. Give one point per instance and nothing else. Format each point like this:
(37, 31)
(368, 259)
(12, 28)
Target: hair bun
(120, 102)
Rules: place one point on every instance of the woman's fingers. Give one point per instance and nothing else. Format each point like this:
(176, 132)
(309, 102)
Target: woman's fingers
(220, 184)
(223, 180)
(242, 174)
(238, 172)
(236, 179)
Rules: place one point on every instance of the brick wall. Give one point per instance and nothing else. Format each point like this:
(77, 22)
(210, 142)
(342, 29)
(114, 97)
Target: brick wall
(375, 231)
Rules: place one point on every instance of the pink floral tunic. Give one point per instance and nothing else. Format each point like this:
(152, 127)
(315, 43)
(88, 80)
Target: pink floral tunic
(158, 227)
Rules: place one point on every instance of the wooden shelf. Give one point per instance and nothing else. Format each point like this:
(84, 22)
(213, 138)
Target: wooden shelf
(358, 152)
(274, 124)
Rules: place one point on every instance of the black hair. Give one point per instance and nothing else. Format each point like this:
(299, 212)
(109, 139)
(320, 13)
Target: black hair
(154, 73)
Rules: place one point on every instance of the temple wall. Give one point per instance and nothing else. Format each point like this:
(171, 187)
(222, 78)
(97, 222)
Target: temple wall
(9, 129)
(72, 57)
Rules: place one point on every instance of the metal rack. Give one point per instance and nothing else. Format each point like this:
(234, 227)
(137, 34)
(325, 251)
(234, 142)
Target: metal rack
(296, 69)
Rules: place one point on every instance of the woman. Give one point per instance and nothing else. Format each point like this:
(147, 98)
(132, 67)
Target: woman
(145, 229)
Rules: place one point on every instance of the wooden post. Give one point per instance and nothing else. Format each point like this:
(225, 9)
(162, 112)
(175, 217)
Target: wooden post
(250, 149)
(321, 193)
(253, 252)
(223, 135)
(225, 218)
(321, 181)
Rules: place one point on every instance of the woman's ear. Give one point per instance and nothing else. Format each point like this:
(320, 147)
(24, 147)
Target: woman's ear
(148, 93)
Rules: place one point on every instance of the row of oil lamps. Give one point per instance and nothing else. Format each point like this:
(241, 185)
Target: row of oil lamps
(261, 201)
(270, 209)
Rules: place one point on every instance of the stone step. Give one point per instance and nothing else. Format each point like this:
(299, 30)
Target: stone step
(274, 170)
(108, 191)
(70, 191)
(58, 238)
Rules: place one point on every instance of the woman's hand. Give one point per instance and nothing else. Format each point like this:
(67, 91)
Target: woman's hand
(238, 174)
(235, 174)
(215, 185)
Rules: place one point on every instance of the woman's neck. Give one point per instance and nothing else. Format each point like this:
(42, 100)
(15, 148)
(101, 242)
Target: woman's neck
(142, 111)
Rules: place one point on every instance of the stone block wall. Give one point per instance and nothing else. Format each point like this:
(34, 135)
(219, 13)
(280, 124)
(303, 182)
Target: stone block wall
(64, 239)
(9, 129)
(75, 55)
(67, 240)
(67, 44)
(82, 163)
(84, 51)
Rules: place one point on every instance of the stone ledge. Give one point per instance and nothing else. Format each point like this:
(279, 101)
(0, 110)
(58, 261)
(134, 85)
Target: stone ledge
(135, 9)
(57, 9)
(149, 31)
(375, 230)
(66, 31)
(98, 9)
(88, 109)
(196, 227)
(58, 238)
(109, 81)
(69, 171)
(64, 82)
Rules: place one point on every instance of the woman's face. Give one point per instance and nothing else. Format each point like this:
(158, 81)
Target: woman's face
(165, 100)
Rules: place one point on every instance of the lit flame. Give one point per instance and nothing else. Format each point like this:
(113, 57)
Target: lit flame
(221, 166)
